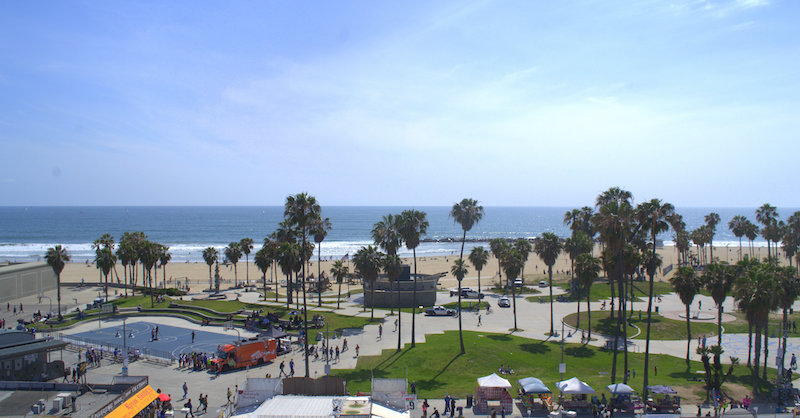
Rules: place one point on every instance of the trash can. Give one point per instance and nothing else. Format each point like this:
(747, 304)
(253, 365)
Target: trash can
(469, 401)
(460, 410)
(656, 309)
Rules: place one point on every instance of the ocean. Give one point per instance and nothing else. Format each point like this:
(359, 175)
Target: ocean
(27, 232)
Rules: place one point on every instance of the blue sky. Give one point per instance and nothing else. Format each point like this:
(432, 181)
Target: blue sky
(408, 103)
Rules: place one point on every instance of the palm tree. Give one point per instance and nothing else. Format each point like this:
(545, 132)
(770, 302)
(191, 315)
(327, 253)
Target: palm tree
(548, 247)
(686, 285)
(512, 265)
(414, 224)
(392, 268)
(386, 234)
(587, 269)
(718, 278)
(126, 255)
(263, 259)
(766, 215)
(210, 255)
(579, 243)
(479, 257)
(524, 247)
(466, 213)
(790, 289)
(56, 257)
(737, 225)
(655, 216)
(367, 262)
(246, 245)
(498, 246)
(289, 258)
(320, 231)
(755, 295)
(339, 271)
(104, 261)
(164, 257)
(233, 253)
(148, 255)
(712, 219)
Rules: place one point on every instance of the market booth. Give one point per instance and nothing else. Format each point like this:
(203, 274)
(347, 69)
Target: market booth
(624, 400)
(578, 401)
(664, 400)
(492, 394)
(532, 389)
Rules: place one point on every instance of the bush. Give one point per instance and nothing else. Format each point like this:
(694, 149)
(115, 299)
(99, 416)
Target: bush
(157, 292)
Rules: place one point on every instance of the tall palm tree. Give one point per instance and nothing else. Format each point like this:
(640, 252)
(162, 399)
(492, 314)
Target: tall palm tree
(246, 245)
(104, 261)
(686, 285)
(386, 234)
(755, 294)
(512, 265)
(164, 257)
(587, 268)
(339, 271)
(789, 284)
(288, 255)
(210, 255)
(478, 257)
(414, 224)
(263, 260)
(270, 247)
(126, 254)
(367, 262)
(148, 255)
(718, 278)
(524, 247)
(579, 243)
(548, 247)
(498, 246)
(737, 225)
(233, 252)
(712, 219)
(654, 215)
(320, 231)
(392, 267)
(56, 257)
(466, 213)
(767, 215)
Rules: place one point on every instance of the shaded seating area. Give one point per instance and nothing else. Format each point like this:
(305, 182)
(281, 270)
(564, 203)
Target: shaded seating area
(664, 400)
(492, 395)
(578, 391)
(533, 388)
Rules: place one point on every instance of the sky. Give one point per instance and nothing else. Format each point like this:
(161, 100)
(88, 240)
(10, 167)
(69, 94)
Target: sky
(512, 103)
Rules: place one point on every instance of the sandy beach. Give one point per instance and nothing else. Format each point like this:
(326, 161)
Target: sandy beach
(535, 269)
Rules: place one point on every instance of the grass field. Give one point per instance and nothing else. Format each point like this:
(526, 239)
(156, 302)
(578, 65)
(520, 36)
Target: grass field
(661, 329)
(438, 368)
(601, 290)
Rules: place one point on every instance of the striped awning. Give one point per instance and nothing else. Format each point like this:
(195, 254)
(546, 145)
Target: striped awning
(136, 403)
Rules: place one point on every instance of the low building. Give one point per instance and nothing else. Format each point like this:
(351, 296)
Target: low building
(400, 292)
(25, 357)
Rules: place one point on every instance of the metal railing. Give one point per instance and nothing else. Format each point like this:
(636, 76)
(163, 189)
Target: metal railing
(108, 348)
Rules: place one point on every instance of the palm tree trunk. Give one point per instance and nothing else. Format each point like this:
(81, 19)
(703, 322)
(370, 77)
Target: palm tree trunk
(766, 350)
(150, 284)
(719, 325)
(589, 313)
(235, 276)
(740, 248)
(749, 342)
(319, 276)
(414, 299)
(578, 324)
(339, 295)
(264, 281)
(58, 293)
(391, 294)
(460, 331)
(288, 291)
(514, 306)
(247, 268)
(399, 319)
(372, 292)
(106, 288)
(649, 319)
(756, 358)
(688, 335)
(785, 332)
(550, 277)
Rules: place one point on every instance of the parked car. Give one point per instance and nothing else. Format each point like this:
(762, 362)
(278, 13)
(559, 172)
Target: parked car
(542, 283)
(439, 310)
(464, 290)
(518, 282)
(504, 302)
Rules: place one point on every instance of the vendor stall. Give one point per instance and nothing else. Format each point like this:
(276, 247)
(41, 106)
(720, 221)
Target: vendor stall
(664, 400)
(578, 391)
(492, 393)
(532, 389)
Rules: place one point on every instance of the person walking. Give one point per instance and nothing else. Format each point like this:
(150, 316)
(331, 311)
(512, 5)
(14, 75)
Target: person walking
(192, 337)
(188, 404)
(479, 319)
(291, 367)
(185, 390)
(282, 373)
(380, 331)
(229, 395)
(452, 407)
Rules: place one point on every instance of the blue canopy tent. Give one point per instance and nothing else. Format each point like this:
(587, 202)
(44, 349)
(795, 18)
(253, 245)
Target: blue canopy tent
(533, 385)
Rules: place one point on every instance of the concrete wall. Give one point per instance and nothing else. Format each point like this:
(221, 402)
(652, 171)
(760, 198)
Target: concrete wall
(26, 279)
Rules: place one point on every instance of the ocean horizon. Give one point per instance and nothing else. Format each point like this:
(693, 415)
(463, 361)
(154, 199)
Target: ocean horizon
(27, 231)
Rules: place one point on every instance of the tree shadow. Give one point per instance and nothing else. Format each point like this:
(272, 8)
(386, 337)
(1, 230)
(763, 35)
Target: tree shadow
(447, 365)
(497, 337)
(582, 351)
(537, 348)
(389, 361)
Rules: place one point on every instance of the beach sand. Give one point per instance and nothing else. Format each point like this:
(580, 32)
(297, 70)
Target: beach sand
(535, 269)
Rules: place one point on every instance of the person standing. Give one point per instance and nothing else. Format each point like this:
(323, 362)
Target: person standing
(192, 336)
(229, 395)
(452, 407)
(446, 403)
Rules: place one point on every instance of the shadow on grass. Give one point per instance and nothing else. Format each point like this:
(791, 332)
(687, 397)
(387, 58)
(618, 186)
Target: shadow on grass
(446, 366)
(536, 348)
(582, 351)
(497, 337)
(389, 361)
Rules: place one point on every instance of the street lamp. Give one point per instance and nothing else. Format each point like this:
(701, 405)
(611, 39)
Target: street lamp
(124, 349)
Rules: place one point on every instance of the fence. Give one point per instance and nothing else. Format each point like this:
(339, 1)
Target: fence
(156, 356)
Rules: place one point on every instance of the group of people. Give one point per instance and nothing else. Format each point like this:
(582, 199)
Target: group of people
(325, 352)
(505, 370)
(195, 361)
(93, 356)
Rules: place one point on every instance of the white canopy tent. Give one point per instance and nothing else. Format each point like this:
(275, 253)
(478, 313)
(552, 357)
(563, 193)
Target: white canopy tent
(574, 386)
(493, 381)
(620, 389)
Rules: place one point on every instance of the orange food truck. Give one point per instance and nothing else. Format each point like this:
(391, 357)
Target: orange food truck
(244, 353)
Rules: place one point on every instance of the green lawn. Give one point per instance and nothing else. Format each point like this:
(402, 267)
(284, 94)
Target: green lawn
(662, 328)
(439, 369)
(602, 290)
